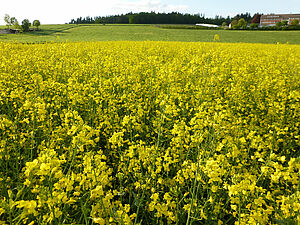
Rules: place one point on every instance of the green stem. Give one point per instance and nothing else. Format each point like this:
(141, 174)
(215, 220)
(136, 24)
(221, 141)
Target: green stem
(138, 209)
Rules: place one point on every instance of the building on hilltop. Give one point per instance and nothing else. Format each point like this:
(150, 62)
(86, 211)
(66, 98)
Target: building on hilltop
(272, 19)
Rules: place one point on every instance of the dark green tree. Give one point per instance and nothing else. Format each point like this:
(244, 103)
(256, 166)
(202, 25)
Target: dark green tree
(13, 20)
(97, 20)
(279, 24)
(234, 24)
(134, 19)
(36, 23)
(284, 22)
(242, 23)
(155, 18)
(26, 25)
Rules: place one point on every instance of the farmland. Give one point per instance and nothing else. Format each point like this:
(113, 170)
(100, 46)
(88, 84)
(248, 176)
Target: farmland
(76, 33)
(149, 133)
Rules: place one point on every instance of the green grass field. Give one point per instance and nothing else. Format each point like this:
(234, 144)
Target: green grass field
(76, 33)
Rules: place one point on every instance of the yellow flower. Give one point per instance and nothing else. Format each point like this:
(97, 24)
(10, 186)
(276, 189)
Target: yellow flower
(234, 207)
(137, 131)
(28, 205)
(2, 211)
(100, 221)
(98, 191)
(187, 207)
(214, 188)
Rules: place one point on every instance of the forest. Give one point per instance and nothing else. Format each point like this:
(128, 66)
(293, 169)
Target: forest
(159, 18)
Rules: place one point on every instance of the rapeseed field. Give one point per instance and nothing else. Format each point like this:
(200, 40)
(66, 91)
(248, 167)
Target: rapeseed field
(149, 133)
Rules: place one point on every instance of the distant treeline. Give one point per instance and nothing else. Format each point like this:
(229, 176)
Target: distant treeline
(158, 18)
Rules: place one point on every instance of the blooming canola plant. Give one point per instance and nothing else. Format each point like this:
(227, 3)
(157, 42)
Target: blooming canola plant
(149, 133)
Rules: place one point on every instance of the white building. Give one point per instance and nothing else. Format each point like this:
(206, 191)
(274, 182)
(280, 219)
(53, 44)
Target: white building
(206, 25)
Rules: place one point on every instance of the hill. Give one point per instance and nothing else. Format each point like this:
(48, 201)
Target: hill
(77, 33)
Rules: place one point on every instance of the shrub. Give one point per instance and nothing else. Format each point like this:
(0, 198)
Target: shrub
(253, 26)
(295, 22)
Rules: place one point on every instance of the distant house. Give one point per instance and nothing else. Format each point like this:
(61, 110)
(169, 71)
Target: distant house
(206, 25)
(272, 19)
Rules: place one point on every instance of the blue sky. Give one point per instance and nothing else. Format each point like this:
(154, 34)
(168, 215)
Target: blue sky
(62, 11)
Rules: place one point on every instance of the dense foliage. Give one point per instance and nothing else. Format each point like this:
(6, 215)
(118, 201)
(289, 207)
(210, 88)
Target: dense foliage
(156, 18)
(280, 27)
(149, 133)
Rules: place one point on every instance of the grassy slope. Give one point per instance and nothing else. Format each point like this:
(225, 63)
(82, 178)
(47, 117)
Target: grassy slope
(145, 32)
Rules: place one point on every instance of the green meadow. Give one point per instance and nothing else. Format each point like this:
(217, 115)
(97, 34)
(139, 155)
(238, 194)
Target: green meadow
(77, 33)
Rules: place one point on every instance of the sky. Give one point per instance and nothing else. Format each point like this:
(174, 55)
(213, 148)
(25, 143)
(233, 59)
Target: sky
(62, 11)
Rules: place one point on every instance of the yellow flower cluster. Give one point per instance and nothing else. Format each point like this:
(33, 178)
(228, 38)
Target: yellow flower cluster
(149, 133)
